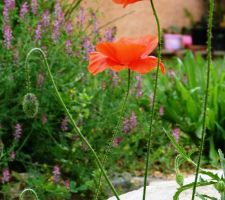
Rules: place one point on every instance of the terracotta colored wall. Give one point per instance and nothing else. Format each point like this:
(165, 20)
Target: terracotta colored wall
(141, 21)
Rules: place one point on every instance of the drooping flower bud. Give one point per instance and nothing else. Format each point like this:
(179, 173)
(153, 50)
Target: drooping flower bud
(220, 186)
(30, 105)
(180, 179)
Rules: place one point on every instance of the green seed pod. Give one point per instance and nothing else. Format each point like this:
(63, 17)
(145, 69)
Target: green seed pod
(30, 105)
(180, 179)
(220, 186)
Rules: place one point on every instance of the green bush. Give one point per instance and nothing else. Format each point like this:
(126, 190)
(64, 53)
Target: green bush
(181, 93)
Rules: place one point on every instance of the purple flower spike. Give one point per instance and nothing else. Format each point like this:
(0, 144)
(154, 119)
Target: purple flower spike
(58, 12)
(88, 47)
(176, 134)
(95, 22)
(129, 124)
(69, 49)
(81, 17)
(109, 34)
(38, 32)
(5, 175)
(46, 18)
(133, 120)
(34, 6)
(161, 111)
(6, 14)
(18, 132)
(24, 10)
(56, 31)
(69, 28)
(56, 174)
(10, 4)
(7, 35)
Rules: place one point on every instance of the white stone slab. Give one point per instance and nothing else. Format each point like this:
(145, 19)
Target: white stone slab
(164, 190)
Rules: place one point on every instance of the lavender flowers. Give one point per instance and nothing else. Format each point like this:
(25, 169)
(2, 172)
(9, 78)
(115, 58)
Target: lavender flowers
(130, 123)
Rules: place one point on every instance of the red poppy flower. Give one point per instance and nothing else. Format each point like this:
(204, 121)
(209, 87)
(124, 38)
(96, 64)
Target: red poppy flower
(125, 53)
(125, 2)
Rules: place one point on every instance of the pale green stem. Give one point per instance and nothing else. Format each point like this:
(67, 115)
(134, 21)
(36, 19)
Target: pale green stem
(209, 59)
(28, 190)
(69, 116)
(109, 146)
(153, 102)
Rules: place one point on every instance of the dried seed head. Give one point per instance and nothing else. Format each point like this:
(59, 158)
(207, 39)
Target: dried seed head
(30, 105)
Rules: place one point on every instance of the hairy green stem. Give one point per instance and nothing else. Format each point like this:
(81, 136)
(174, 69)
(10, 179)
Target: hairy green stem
(69, 115)
(154, 99)
(28, 190)
(209, 59)
(110, 144)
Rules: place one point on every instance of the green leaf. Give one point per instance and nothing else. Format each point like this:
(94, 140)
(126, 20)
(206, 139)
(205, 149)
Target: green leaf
(180, 149)
(205, 197)
(222, 161)
(73, 187)
(189, 186)
(186, 157)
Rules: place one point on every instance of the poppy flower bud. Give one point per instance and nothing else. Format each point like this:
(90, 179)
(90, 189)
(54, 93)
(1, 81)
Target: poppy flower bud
(180, 179)
(30, 105)
(220, 186)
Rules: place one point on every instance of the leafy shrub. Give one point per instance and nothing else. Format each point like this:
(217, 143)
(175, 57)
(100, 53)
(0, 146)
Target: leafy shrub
(182, 96)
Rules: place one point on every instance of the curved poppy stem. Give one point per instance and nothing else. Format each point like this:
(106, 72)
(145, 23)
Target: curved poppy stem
(28, 190)
(209, 59)
(109, 146)
(69, 115)
(154, 99)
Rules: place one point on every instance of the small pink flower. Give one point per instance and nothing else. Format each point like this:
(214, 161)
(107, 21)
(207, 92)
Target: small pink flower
(56, 174)
(117, 141)
(176, 134)
(34, 6)
(67, 184)
(18, 132)
(5, 175)
(24, 10)
(161, 111)
(69, 49)
(7, 35)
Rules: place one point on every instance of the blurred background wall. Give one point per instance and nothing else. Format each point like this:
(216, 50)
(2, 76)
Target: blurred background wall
(139, 19)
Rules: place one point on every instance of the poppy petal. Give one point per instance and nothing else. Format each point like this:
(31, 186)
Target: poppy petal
(125, 2)
(97, 63)
(121, 52)
(149, 41)
(117, 68)
(145, 65)
(107, 48)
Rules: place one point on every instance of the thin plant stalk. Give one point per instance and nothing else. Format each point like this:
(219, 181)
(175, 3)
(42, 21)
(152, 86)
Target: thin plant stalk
(28, 190)
(69, 115)
(209, 59)
(149, 136)
(109, 146)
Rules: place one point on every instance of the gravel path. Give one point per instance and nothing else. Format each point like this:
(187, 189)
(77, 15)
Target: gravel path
(164, 190)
